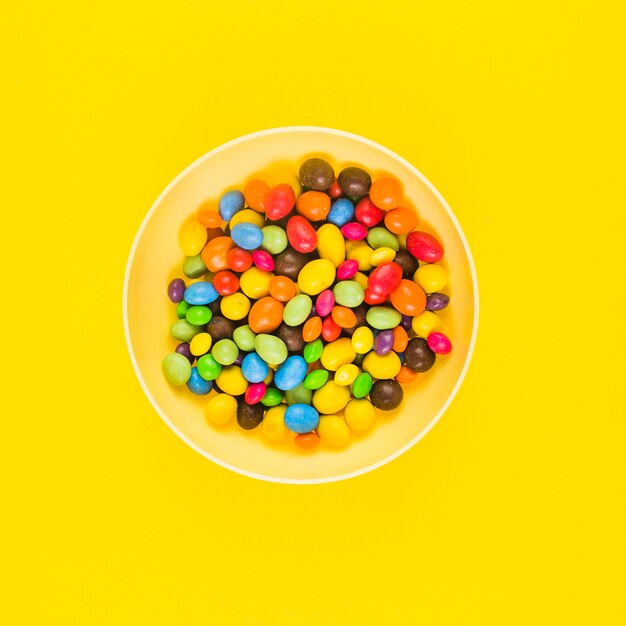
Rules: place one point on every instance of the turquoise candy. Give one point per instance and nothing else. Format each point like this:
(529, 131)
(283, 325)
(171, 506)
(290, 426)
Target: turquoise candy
(291, 373)
(301, 418)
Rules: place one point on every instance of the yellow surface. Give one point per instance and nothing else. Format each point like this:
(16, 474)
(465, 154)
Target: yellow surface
(511, 511)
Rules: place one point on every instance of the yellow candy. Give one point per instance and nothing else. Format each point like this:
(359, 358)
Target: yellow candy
(283, 175)
(255, 283)
(360, 414)
(273, 424)
(249, 216)
(192, 238)
(269, 378)
(362, 256)
(333, 430)
(200, 344)
(330, 244)
(231, 381)
(402, 240)
(361, 279)
(431, 278)
(331, 398)
(362, 340)
(346, 374)
(426, 323)
(382, 366)
(316, 276)
(353, 245)
(338, 353)
(221, 409)
(235, 306)
(382, 255)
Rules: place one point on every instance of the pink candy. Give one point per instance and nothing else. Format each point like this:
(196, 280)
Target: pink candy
(324, 303)
(255, 392)
(263, 260)
(424, 247)
(347, 269)
(439, 343)
(354, 231)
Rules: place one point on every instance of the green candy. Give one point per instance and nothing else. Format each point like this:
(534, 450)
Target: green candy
(244, 338)
(271, 349)
(272, 397)
(313, 351)
(194, 266)
(208, 367)
(362, 385)
(297, 310)
(379, 237)
(181, 309)
(299, 395)
(198, 315)
(316, 379)
(182, 330)
(348, 293)
(225, 352)
(383, 317)
(176, 368)
(274, 239)
(358, 359)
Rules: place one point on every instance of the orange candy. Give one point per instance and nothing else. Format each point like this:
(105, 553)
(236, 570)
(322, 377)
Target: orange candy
(282, 288)
(408, 298)
(265, 315)
(312, 329)
(210, 218)
(386, 193)
(401, 220)
(406, 375)
(307, 441)
(254, 193)
(343, 317)
(215, 252)
(400, 339)
(314, 205)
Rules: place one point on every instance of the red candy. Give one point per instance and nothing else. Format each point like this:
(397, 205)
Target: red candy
(279, 201)
(301, 234)
(324, 303)
(424, 247)
(239, 260)
(263, 260)
(368, 213)
(255, 392)
(225, 283)
(408, 298)
(335, 190)
(347, 269)
(330, 330)
(384, 279)
(354, 231)
(439, 343)
(374, 298)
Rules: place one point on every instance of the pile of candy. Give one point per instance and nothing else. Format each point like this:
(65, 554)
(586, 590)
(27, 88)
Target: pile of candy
(309, 306)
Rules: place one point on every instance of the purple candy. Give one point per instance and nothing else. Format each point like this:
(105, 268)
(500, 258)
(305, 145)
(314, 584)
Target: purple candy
(176, 290)
(185, 350)
(406, 322)
(383, 342)
(437, 301)
(240, 357)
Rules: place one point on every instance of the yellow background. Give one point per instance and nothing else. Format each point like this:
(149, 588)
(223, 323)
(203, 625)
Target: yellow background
(512, 510)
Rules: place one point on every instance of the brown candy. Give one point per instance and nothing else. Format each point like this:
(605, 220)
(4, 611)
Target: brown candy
(354, 182)
(386, 394)
(418, 355)
(289, 263)
(317, 174)
(292, 336)
(407, 262)
(220, 328)
(249, 416)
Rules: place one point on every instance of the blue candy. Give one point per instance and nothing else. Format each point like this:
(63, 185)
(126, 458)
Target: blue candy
(291, 373)
(197, 384)
(201, 293)
(230, 203)
(254, 368)
(301, 418)
(341, 212)
(247, 236)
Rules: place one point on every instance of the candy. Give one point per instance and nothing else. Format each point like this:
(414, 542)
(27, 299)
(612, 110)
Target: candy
(208, 367)
(244, 337)
(334, 191)
(401, 220)
(316, 379)
(255, 283)
(290, 262)
(291, 373)
(307, 441)
(249, 416)
(314, 205)
(406, 374)
(379, 237)
(210, 218)
(231, 381)
(324, 303)
(362, 255)
(221, 409)
(424, 247)
(238, 260)
(247, 216)
(338, 353)
(316, 276)
(266, 315)
(354, 231)
(301, 418)
(348, 293)
(407, 262)
(192, 237)
(362, 340)
(330, 244)
(386, 193)
(198, 315)
(255, 392)
(431, 278)
(439, 343)
(182, 330)
(354, 182)
(316, 174)
(331, 398)
(271, 349)
(201, 292)
(263, 260)
(301, 234)
(385, 278)
(333, 430)
(437, 301)
(254, 368)
(386, 395)
(176, 290)
(282, 288)
(400, 339)
(330, 330)
(214, 254)
(346, 374)
(386, 366)
(292, 336)
(359, 415)
(247, 236)
(225, 283)
(362, 385)
(313, 351)
(176, 368)
(347, 269)
(235, 306)
(255, 192)
(230, 203)
(367, 213)
(272, 397)
(383, 317)
(382, 255)
(374, 298)
(383, 343)
(274, 239)
(297, 310)
(273, 425)
(220, 328)
(344, 317)
(198, 385)
(279, 201)
(418, 355)
(408, 298)
(194, 267)
(426, 323)
(312, 329)
(184, 348)
(341, 212)
(298, 395)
